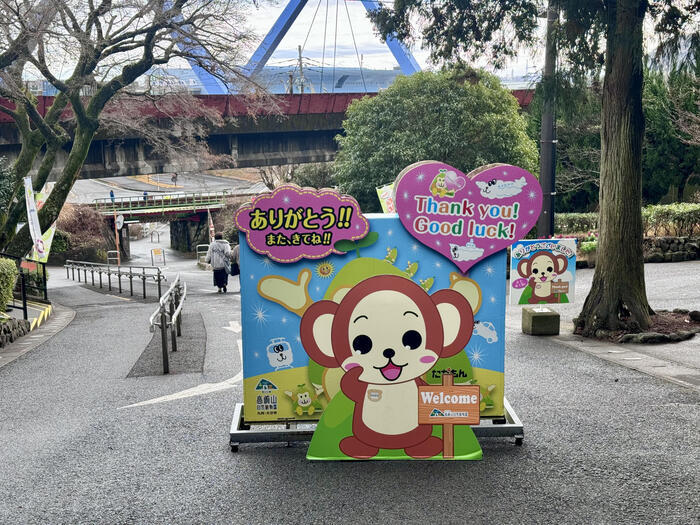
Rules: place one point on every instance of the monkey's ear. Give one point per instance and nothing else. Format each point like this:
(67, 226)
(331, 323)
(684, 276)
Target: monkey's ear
(457, 320)
(522, 267)
(562, 263)
(315, 333)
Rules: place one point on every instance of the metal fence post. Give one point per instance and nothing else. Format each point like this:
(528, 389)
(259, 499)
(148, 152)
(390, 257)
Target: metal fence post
(24, 295)
(143, 281)
(164, 339)
(67, 272)
(46, 282)
(173, 336)
(92, 275)
(109, 278)
(131, 282)
(78, 274)
(160, 293)
(100, 274)
(178, 323)
(119, 278)
(72, 271)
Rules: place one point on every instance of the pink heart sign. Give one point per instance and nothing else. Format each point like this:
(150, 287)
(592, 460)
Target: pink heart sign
(466, 218)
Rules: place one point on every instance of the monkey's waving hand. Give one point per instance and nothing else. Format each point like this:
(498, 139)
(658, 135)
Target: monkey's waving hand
(293, 295)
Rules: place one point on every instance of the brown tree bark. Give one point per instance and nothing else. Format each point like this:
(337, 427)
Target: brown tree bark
(617, 300)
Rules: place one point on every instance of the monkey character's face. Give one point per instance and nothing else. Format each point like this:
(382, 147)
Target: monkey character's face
(304, 399)
(440, 182)
(543, 269)
(387, 336)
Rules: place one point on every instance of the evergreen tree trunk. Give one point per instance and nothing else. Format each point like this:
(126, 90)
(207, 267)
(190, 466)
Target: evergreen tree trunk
(617, 300)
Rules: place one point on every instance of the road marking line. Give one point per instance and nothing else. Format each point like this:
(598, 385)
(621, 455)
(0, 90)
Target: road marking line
(233, 326)
(205, 388)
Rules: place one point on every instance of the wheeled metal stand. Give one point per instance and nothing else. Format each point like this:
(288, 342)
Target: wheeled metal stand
(241, 432)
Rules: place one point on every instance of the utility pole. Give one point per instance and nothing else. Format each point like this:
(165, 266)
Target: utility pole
(548, 134)
(301, 72)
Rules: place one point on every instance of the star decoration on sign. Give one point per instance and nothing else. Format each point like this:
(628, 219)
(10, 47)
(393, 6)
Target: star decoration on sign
(475, 357)
(260, 314)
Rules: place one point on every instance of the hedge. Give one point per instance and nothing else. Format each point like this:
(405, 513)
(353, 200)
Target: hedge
(681, 220)
(575, 222)
(8, 277)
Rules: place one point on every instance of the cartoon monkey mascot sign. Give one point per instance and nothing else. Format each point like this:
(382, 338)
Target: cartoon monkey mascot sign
(540, 270)
(385, 333)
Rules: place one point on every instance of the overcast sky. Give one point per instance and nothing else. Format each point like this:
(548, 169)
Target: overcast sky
(375, 55)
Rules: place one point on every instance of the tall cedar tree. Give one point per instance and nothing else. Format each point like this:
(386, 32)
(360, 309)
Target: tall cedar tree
(589, 34)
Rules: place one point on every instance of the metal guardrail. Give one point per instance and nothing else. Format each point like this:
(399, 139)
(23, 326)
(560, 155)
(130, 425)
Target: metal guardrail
(202, 250)
(23, 283)
(168, 316)
(166, 200)
(145, 273)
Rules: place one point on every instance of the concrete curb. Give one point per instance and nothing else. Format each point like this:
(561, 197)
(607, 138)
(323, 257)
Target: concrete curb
(621, 354)
(61, 317)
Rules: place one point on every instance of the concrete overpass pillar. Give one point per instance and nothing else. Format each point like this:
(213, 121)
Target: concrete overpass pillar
(187, 233)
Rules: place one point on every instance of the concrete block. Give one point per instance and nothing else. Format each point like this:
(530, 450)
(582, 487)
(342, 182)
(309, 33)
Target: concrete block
(540, 320)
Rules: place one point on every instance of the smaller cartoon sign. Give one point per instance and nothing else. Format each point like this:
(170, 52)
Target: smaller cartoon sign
(386, 197)
(466, 218)
(292, 223)
(543, 271)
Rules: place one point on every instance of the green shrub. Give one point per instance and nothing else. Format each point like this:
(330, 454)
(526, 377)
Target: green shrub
(681, 219)
(588, 246)
(60, 242)
(8, 276)
(575, 222)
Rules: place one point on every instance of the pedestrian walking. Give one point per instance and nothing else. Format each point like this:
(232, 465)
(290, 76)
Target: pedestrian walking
(111, 196)
(145, 196)
(235, 261)
(219, 256)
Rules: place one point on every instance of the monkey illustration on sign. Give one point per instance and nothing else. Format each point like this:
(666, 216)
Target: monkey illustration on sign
(541, 269)
(304, 400)
(385, 333)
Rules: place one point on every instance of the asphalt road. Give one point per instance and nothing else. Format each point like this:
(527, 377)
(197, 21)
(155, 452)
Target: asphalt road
(603, 443)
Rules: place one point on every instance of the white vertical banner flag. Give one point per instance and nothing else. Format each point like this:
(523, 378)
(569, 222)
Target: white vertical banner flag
(33, 218)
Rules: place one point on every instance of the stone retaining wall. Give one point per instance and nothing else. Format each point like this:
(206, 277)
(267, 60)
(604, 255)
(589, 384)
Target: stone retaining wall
(12, 329)
(671, 249)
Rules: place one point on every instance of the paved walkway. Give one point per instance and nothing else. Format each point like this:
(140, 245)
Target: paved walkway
(82, 443)
(668, 286)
